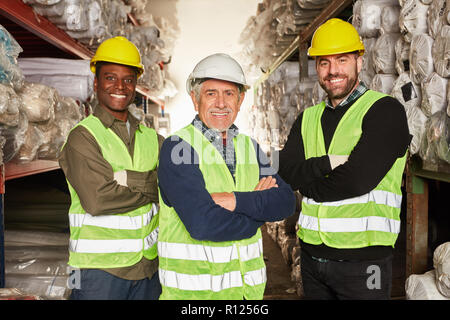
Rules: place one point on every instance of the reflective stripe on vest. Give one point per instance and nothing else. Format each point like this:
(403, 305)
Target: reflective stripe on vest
(122, 239)
(369, 219)
(208, 253)
(193, 269)
(213, 283)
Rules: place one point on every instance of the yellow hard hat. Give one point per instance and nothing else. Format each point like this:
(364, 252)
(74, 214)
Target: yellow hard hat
(118, 50)
(335, 36)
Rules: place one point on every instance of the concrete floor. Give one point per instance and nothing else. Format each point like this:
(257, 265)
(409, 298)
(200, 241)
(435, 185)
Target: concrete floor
(279, 285)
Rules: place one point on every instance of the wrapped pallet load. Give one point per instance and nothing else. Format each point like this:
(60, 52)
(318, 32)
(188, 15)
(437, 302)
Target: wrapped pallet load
(409, 94)
(402, 49)
(13, 122)
(435, 141)
(434, 94)
(434, 284)
(441, 263)
(413, 18)
(440, 52)
(420, 58)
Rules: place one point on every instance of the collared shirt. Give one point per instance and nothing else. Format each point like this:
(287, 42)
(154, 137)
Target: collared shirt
(356, 93)
(225, 147)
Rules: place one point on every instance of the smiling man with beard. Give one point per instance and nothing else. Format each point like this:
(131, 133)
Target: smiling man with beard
(217, 189)
(110, 163)
(346, 156)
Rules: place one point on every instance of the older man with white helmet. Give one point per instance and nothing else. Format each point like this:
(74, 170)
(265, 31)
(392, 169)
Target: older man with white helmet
(216, 190)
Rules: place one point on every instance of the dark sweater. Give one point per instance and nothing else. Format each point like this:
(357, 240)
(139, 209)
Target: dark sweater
(182, 187)
(385, 137)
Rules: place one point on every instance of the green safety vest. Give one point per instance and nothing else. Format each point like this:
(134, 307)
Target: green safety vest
(367, 220)
(207, 270)
(122, 239)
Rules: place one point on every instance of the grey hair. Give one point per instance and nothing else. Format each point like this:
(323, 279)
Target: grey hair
(197, 87)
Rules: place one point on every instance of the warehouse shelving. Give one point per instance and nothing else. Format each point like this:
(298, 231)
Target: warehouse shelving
(417, 173)
(38, 36)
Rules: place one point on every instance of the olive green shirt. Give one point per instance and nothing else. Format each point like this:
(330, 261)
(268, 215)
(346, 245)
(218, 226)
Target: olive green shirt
(92, 178)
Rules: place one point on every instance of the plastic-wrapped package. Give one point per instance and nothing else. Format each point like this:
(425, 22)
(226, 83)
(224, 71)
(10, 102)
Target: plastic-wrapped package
(98, 29)
(442, 143)
(33, 139)
(448, 98)
(367, 16)
(413, 18)
(10, 73)
(436, 20)
(48, 287)
(368, 70)
(35, 238)
(51, 11)
(14, 137)
(55, 132)
(71, 78)
(383, 53)
(273, 118)
(441, 263)
(435, 141)
(440, 52)
(38, 101)
(420, 59)
(406, 91)
(402, 49)
(389, 19)
(434, 94)
(303, 16)
(10, 104)
(423, 287)
(73, 17)
(447, 11)
(416, 123)
(284, 106)
(44, 260)
(383, 82)
(313, 4)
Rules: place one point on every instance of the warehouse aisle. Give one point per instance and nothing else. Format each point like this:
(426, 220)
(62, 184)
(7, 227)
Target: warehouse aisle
(279, 284)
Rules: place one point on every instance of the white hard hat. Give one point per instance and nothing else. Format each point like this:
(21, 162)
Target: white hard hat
(217, 66)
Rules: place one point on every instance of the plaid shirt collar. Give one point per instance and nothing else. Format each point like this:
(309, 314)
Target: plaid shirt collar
(358, 92)
(216, 139)
(213, 135)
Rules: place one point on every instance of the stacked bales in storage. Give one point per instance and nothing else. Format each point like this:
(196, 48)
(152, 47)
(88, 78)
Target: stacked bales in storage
(34, 118)
(276, 24)
(91, 22)
(407, 56)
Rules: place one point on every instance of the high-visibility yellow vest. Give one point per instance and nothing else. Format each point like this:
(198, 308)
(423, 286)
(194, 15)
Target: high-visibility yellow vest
(367, 220)
(122, 239)
(207, 270)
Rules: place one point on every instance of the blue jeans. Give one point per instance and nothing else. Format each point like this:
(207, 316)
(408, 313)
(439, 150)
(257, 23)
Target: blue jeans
(100, 285)
(355, 280)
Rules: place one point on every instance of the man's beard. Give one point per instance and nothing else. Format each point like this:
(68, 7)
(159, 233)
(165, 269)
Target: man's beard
(340, 94)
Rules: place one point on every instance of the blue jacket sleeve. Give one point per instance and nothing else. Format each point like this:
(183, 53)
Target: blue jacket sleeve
(268, 205)
(182, 187)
